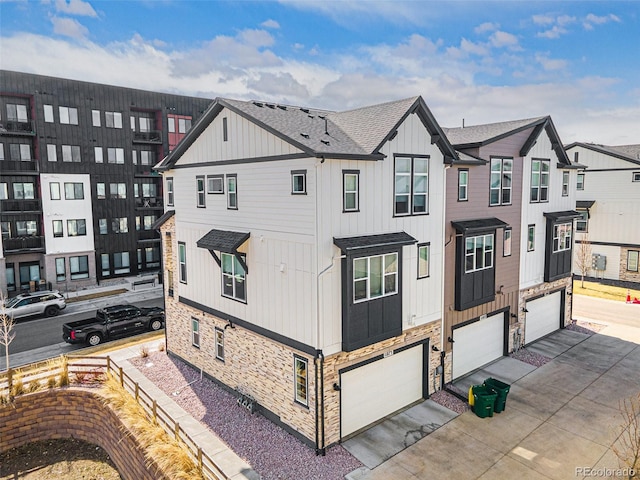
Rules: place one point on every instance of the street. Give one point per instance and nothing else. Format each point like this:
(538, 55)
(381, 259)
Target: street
(608, 311)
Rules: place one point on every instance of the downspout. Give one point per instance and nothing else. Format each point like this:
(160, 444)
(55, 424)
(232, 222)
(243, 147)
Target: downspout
(322, 438)
(315, 363)
(443, 270)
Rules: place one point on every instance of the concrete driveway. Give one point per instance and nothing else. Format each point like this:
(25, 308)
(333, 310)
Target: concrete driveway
(560, 421)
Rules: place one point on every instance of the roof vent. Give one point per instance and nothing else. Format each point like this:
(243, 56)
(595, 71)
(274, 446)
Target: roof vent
(271, 105)
(322, 117)
(305, 110)
(326, 142)
(258, 104)
(305, 135)
(311, 116)
(282, 107)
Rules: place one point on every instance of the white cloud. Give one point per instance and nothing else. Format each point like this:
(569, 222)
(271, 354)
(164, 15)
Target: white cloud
(69, 27)
(554, 32)
(75, 7)
(270, 24)
(501, 39)
(543, 19)
(591, 20)
(486, 27)
(565, 20)
(550, 64)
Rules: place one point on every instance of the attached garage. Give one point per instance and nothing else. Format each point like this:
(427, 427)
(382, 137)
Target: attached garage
(478, 343)
(377, 389)
(544, 316)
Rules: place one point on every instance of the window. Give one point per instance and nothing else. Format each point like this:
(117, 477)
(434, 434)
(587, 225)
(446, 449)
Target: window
(23, 191)
(1, 151)
(68, 115)
(423, 260)
(636, 177)
(61, 273)
(101, 191)
(170, 191)
(233, 277)
(20, 152)
(539, 181)
(300, 373)
(152, 256)
(73, 191)
(219, 344)
(113, 119)
(225, 129)
(580, 183)
(95, 118)
(171, 123)
(215, 184)
(76, 228)
(115, 155)
(11, 277)
(531, 238)
(4, 191)
(463, 185)
(48, 113)
(102, 226)
(118, 190)
(500, 187)
(79, 267)
(298, 182)
(17, 113)
(582, 223)
(182, 261)
(351, 196)
(98, 154)
(5, 228)
(632, 260)
(146, 157)
(195, 332)
(26, 228)
(52, 155)
(104, 262)
(561, 237)
(57, 229)
(478, 253)
(375, 276)
(54, 190)
(120, 225)
(411, 188)
(184, 124)
(565, 184)
(506, 244)
(200, 192)
(71, 153)
(232, 193)
(121, 263)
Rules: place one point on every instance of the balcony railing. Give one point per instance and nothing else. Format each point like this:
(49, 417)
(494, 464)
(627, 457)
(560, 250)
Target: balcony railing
(18, 206)
(31, 243)
(149, 202)
(12, 128)
(153, 136)
(18, 166)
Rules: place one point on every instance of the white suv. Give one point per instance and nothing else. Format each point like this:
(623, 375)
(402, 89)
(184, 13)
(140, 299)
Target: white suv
(47, 303)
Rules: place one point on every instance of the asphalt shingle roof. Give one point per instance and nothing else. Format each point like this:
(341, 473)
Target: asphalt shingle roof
(483, 133)
(347, 244)
(223, 240)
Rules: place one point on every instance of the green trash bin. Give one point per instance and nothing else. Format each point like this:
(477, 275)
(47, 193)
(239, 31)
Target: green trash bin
(501, 389)
(484, 399)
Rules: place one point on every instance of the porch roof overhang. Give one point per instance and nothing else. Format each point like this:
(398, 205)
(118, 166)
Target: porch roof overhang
(224, 241)
(354, 244)
(478, 225)
(562, 216)
(585, 204)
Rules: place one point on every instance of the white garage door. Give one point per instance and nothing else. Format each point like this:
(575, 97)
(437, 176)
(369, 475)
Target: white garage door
(375, 390)
(543, 317)
(477, 344)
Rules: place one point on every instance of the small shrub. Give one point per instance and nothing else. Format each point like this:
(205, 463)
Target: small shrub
(144, 351)
(32, 386)
(52, 382)
(64, 374)
(80, 377)
(161, 347)
(18, 387)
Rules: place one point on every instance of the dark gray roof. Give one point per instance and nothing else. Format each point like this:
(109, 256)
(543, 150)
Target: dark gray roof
(585, 203)
(223, 240)
(562, 216)
(630, 153)
(160, 221)
(478, 224)
(489, 132)
(349, 244)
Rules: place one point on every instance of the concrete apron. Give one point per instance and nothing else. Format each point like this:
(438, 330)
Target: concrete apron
(560, 421)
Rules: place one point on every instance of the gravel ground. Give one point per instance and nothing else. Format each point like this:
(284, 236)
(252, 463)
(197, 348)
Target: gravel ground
(450, 401)
(585, 327)
(271, 451)
(529, 357)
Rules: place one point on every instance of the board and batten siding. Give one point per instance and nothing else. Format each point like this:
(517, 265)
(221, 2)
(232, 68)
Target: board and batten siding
(532, 263)
(245, 140)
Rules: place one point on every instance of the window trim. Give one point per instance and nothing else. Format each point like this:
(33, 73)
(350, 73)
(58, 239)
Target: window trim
(298, 398)
(219, 340)
(55, 195)
(195, 332)
(557, 239)
(412, 177)
(426, 245)
(298, 173)
(84, 274)
(579, 185)
(53, 226)
(225, 129)
(637, 255)
(508, 232)
(501, 189)
(182, 264)
(484, 252)
(582, 219)
(635, 177)
(367, 279)
(541, 187)
(345, 192)
(233, 275)
(232, 205)
(466, 185)
(61, 276)
(74, 190)
(201, 195)
(70, 221)
(170, 192)
(211, 191)
(531, 237)
(566, 181)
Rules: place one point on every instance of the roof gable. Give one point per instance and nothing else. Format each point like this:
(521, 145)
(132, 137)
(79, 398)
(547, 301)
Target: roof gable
(628, 153)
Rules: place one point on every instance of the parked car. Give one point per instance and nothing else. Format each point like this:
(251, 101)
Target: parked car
(113, 322)
(47, 303)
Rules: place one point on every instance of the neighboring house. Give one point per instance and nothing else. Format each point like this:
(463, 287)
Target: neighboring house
(608, 200)
(78, 195)
(508, 231)
(304, 256)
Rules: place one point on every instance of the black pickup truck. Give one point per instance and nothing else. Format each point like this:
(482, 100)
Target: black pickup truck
(113, 322)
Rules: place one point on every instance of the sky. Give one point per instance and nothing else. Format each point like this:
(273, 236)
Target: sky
(472, 61)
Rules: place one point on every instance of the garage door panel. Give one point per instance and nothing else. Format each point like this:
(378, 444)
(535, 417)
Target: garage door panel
(477, 344)
(375, 390)
(543, 316)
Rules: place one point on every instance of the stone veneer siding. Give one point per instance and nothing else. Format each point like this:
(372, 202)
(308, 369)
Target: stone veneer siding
(626, 275)
(74, 413)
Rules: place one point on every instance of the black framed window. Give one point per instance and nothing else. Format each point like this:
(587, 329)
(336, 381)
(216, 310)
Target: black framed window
(76, 227)
(539, 180)
(565, 183)
(351, 190)
(300, 368)
(500, 183)
(463, 185)
(57, 229)
(298, 182)
(219, 343)
(424, 251)
(79, 267)
(73, 191)
(61, 273)
(411, 186)
(233, 277)
(200, 196)
(506, 244)
(232, 192)
(54, 191)
(182, 262)
(531, 238)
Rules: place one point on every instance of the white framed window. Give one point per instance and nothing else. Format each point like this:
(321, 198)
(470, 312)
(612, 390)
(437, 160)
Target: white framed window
(79, 267)
(71, 153)
(170, 191)
(20, 152)
(52, 154)
(120, 225)
(48, 113)
(54, 190)
(73, 191)
(215, 184)
(76, 227)
(184, 124)
(506, 243)
(298, 182)
(463, 185)
(580, 182)
(233, 277)
(424, 251)
(57, 229)
(219, 344)
(61, 273)
(232, 192)
(565, 183)
(195, 332)
(200, 196)
(351, 194)
(478, 253)
(102, 226)
(98, 154)
(411, 187)
(95, 118)
(531, 238)
(539, 180)
(113, 119)
(632, 260)
(300, 367)
(68, 115)
(500, 183)
(17, 113)
(561, 237)
(121, 263)
(182, 262)
(582, 222)
(171, 124)
(375, 276)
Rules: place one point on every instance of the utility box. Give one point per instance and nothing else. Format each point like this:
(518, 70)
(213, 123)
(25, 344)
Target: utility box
(598, 262)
